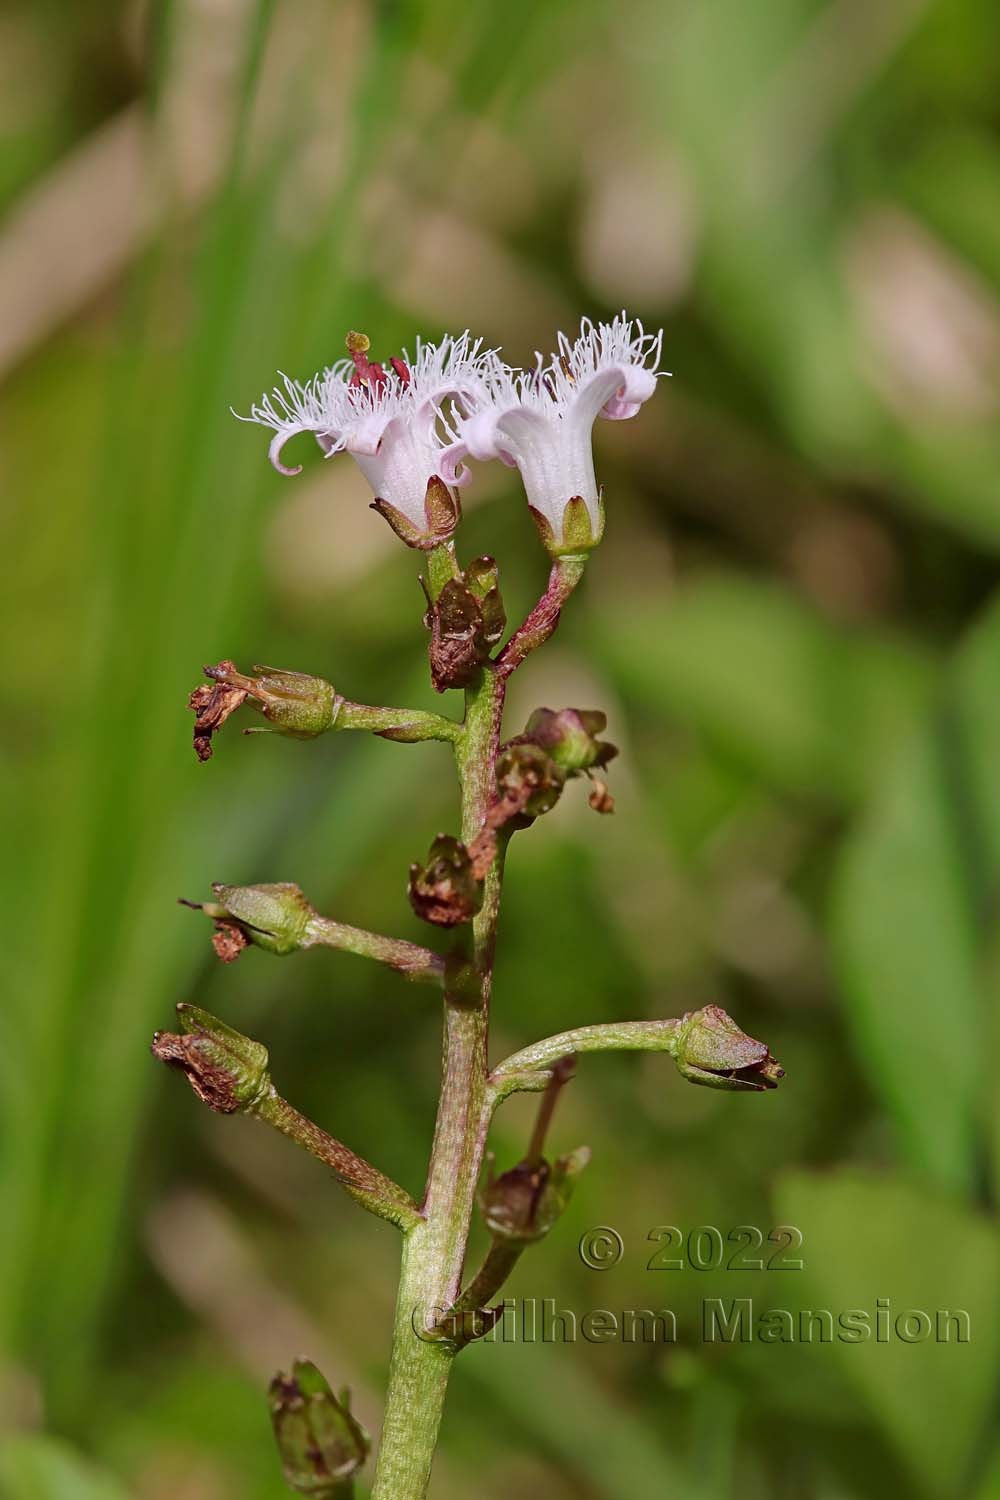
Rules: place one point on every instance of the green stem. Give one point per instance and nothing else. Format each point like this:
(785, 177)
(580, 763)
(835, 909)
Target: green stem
(365, 1183)
(434, 1251)
(529, 1070)
(408, 959)
(405, 724)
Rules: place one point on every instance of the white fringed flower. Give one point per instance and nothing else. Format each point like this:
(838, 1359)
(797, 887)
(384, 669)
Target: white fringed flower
(540, 422)
(388, 421)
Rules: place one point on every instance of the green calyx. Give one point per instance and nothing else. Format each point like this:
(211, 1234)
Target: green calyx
(711, 1050)
(579, 533)
(442, 513)
(227, 1071)
(273, 917)
(322, 1445)
(293, 703)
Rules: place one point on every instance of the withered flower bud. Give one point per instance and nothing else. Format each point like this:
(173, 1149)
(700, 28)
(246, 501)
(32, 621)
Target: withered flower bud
(712, 1050)
(293, 703)
(273, 917)
(321, 1444)
(445, 890)
(465, 621)
(212, 706)
(227, 1071)
(528, 779)
(569, 736)
(523, 1204)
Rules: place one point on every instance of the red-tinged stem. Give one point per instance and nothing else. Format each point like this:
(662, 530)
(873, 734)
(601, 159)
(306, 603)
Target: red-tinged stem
(434, 1250)
(543, 619)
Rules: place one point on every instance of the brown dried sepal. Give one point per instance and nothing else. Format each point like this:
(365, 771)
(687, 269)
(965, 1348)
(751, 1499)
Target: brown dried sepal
(212, 704)
(213, 1085)
(229, 940)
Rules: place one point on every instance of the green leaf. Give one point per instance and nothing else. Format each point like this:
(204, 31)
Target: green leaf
(867, 1237)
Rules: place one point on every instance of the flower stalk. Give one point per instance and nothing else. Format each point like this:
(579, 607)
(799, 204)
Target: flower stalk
(410, 426)
(229, 1073)
(434, 1253)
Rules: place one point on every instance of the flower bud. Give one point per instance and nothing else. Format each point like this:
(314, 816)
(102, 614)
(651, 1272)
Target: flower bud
(710, 1049)
(445, 890)
(292, 702)
(522, 1205)
(529, 779)
(273, 917)
(321, 1444)
(227, 1071)
(569, 736)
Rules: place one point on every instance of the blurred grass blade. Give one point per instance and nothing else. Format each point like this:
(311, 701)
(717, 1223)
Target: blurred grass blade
(912, 921)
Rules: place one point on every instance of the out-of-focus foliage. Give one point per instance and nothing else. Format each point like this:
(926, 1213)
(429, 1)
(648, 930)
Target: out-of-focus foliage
(790, 625)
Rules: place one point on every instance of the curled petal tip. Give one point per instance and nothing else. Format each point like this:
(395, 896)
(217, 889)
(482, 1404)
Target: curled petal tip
(274, 451)
(451, 464)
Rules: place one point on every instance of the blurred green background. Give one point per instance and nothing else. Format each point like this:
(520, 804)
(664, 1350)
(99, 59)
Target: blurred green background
(791, 625)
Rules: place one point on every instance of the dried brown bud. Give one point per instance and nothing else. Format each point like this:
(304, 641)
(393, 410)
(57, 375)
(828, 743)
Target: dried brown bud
(529, 781)
(523, 1204)
(445, 891)
(465, 621)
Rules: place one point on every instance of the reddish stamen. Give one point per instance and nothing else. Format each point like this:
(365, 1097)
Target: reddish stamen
(366, 371)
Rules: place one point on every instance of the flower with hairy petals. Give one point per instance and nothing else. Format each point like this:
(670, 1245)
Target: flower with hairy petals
(540, 422)
(387, 419)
